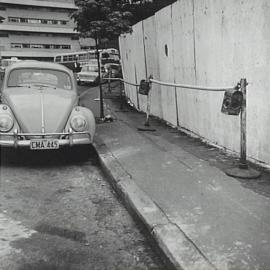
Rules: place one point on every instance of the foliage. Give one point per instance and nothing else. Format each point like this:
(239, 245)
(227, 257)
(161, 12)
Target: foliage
(101, 19)
(107, 19)
(142, 9)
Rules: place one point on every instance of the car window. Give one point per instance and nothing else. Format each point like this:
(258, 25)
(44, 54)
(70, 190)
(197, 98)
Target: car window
(115, 66)
(93, 68)
(33, 76)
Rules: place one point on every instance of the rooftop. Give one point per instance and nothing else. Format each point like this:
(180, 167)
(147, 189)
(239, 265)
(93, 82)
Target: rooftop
(42, 3)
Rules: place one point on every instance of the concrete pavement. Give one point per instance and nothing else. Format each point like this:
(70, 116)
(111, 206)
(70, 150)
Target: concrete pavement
(199, 217)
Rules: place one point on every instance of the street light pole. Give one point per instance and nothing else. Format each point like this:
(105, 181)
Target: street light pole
(100, 85)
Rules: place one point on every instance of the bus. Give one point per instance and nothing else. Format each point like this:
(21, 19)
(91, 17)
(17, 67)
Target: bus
(87, 57)
(110, 56)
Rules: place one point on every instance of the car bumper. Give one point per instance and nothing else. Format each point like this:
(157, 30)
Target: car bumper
(91, 80)
(24, 139)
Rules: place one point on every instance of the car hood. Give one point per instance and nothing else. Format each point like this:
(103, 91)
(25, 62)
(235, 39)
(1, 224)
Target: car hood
(35, 108)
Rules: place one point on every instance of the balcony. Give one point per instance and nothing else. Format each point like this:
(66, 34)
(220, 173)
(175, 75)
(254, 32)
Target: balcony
(50, 4)
(27, 54)
(43, 29)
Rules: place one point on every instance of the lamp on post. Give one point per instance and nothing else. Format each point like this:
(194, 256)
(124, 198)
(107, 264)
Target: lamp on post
(233, 104)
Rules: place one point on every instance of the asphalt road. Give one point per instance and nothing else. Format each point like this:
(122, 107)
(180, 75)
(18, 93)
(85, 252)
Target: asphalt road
(57, 212)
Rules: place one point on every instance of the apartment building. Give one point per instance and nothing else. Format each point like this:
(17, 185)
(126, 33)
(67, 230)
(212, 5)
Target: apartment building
(37, 29)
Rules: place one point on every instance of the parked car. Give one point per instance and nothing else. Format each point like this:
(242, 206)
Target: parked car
(89, 74)
(113, 70)
(39, 108)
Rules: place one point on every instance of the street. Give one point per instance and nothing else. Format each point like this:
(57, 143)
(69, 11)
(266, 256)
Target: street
(57, 212)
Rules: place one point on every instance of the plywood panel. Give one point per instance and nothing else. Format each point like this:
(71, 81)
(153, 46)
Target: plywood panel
(166, 65)
(149, 27)
(184, 64)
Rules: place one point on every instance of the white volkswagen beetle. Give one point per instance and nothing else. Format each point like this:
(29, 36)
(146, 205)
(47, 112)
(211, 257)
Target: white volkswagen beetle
(39, 108)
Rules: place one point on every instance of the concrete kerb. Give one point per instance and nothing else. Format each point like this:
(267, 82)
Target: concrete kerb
(177, 249)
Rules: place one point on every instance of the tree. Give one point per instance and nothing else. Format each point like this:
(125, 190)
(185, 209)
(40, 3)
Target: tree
(142, 9)
(101, 20)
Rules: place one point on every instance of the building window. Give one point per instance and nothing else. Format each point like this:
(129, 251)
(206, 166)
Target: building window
(13, 19)
(58, 59)
(40, 46)
(2, 8)
(24, 20)
(36, 21)
(16, 45)
(36, 46)
(3, 34)
(71, 57)
(65, 46)
(87, 47)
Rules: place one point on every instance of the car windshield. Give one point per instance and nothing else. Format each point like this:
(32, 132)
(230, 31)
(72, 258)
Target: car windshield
(115, 66)
(112, 66)
(40, 77)
(90, 68)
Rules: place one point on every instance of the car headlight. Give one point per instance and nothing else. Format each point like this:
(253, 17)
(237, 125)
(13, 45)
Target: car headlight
(78, 123)
(6, 123)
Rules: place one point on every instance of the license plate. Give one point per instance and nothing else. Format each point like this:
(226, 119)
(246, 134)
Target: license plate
(40, 144)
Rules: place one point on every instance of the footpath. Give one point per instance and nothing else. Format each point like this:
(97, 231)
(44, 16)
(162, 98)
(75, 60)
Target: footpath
(200, 218)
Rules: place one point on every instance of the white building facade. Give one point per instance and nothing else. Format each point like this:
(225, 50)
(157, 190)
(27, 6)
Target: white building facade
(37, 29)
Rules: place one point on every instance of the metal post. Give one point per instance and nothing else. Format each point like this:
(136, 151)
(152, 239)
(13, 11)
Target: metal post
(146, 126)
(148, 108)
(243, 127)
(137, 90)
(100, 85)
(109, 81)
(243, 170)
(121, 86)
(109, 86)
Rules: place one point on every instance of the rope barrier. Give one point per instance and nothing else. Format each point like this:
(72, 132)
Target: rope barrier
(187, 86)
(242, 171)
(120, 79)
(112, 79)
(204, 88)
(134, 84)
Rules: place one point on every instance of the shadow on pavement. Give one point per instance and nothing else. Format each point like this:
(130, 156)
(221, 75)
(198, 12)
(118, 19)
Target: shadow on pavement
(47, 158)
